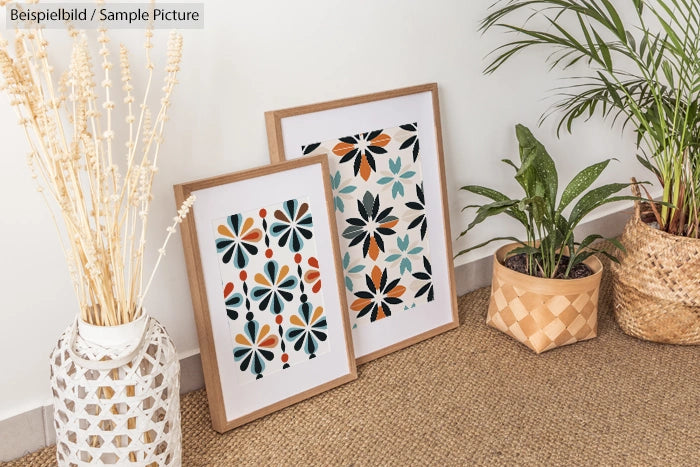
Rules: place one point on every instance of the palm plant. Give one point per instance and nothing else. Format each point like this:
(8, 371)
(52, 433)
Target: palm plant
(645, 72)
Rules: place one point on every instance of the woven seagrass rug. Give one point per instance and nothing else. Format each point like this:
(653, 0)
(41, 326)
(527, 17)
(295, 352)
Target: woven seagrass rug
(473, 396)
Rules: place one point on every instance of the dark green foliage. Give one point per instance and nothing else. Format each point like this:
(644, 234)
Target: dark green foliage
(548, 232)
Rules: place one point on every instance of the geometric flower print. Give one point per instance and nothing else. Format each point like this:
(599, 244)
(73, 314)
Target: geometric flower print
(307, 329)
(271, 288)
(236, 238)
(378, 295)
(373, 226)
(377, 185)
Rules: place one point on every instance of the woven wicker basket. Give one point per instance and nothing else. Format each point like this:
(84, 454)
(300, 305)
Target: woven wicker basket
(118, 405)
(543, 313)
(656, 287)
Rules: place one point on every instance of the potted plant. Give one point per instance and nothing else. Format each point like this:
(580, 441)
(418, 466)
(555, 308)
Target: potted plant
(115, 371)
(544, 290)
(636, 62)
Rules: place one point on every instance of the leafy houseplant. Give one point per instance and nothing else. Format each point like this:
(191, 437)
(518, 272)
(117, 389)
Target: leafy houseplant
(640, 66)
(546, 305)
(643, 70)
(549, 245)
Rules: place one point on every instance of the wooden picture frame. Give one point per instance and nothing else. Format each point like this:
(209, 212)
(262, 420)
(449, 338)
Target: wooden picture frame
(410, 143)
(275, 293)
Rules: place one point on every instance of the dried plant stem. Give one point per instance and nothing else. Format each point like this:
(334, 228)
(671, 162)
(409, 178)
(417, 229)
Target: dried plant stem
(182, 213)
(69, 127)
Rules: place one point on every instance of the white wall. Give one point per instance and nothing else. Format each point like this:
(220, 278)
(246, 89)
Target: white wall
(257, 56)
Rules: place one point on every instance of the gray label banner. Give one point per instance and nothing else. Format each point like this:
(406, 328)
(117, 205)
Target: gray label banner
(110, 16)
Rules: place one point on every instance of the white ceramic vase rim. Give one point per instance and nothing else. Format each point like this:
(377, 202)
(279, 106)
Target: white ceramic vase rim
(113, 336)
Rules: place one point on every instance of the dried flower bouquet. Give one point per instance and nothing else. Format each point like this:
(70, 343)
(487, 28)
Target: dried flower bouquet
(102, 189)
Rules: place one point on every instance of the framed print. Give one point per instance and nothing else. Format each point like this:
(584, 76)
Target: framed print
(390, 202)
(267, 289)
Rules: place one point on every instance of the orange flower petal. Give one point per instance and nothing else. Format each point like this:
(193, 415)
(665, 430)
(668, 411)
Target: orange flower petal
(296, 321)
(365, 169)
(377, 277)
(316, 287)
(243, 340)
(313, 262)
(389, 225)
(270, 342)
(311, 276)
(360, 303)
(373, 248)
(225, 231)
(396, 291)
(381, 140)
(262, 280)
(228, 289)
(283, 273)
(317, 314)
(264, 331)
(247, 224)
(341, 149)
(253, 236)
(380, 313)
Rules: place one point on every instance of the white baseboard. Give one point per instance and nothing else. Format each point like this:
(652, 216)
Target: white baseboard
(33, 430)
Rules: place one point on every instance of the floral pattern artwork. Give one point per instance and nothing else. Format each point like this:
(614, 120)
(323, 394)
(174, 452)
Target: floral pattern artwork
(378, 295)
(396, 177)
(377, 184)
(361, 151)
(293, 225)
(237, 239)
(271, 288)
(341, 193)
(424, 286)
(255, 346)
(233, 301)
(274, 287)
(374, 224)
(308, 329)
(312, 276)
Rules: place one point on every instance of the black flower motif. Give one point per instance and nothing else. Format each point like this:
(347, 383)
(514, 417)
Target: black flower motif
(307, 329)
(380, 293)
(256, 345)
(274, 288)
(361, 149)
(370, 226)
(294, 225)
(411, 141)
(237, 240)
(419, 206)
(308, 149)
(427, 278)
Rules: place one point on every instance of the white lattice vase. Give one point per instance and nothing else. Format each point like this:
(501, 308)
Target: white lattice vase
(116, 395)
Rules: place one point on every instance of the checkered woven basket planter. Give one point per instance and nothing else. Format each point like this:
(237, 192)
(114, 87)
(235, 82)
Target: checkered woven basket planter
(543, 313)
(118, 405)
